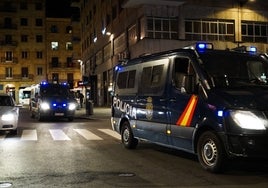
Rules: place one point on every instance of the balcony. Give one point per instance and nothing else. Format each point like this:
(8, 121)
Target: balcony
(9, 26)
(16, 77)
(13, 60)
(65, 65)
(8, 43)
(135, 3)
(8, 8)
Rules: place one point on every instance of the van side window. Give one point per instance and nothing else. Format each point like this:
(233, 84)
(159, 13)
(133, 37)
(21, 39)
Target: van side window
(126, 79)
(184, 76)
(151, 79)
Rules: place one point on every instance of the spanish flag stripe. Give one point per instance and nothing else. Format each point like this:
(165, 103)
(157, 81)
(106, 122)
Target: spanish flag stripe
(187, 115)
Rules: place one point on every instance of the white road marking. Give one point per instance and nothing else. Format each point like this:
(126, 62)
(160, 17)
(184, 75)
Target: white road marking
(58, 134)
(29, 135)
(87, 134)
(111, 133)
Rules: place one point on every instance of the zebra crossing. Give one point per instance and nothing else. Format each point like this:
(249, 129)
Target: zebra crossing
(60, 135)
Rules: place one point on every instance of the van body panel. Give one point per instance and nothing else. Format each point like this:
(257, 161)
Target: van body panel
(196, 101)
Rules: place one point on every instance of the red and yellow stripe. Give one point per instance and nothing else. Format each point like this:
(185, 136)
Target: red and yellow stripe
(186, 117)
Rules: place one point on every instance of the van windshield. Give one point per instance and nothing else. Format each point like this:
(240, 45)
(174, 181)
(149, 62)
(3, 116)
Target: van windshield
(55, 90)
(230, 69)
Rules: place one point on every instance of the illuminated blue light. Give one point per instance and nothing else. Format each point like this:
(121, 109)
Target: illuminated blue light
(64, 105)
(54, 104)
(252, 49)
(44, 83)
(203, 46)
(117, 68)
(220, 113)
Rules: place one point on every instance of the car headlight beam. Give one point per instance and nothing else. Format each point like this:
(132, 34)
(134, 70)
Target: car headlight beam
(248, 120)
(44, 106)
(7, 117)
(72, 106)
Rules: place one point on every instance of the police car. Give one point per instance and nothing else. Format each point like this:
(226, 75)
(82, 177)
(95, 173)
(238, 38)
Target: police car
(209, 102)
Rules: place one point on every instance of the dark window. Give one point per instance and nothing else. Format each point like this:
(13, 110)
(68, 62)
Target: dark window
(39, 38)
(23, 6)
(24, 72)
(38, 6)
(54, 29)
(24, 54)
(39, 71)
(39, 55)
(55, 77)
(38, 22)
(23, 21)
(126, 79)
(24, 38)
(152, 80)
(55, 61)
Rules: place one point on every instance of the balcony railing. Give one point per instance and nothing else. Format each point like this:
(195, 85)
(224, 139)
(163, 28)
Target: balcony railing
(8, 9)
(16, 77)
(64, 65)
(8, 26)
(9, 60)
(8, 43)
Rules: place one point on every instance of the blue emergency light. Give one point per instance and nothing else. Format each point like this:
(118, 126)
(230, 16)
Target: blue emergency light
(43, 83)
(117, 68)
(202, 46)
(251, 49)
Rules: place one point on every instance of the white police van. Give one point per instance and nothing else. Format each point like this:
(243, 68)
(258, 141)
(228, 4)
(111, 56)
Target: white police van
(209, 102)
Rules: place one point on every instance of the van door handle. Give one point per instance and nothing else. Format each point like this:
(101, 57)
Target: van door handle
(172, 100)
(162, 99)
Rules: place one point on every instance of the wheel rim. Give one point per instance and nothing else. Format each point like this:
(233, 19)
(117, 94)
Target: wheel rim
(126, 135)
(210, 153)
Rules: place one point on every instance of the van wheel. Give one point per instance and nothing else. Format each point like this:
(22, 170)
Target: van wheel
(210, 152)
(127, 137)
(70, 119)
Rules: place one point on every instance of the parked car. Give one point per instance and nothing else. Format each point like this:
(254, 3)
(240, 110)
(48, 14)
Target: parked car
(9, 114)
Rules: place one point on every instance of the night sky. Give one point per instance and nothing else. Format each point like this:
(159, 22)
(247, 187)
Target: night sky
(58, 8)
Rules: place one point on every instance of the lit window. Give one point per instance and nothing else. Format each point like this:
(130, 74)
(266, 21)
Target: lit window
(54, 45)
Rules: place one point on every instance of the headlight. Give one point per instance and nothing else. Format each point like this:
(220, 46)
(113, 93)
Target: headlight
(44, 106)
(8, 117)
(248, 120)
(72, 106)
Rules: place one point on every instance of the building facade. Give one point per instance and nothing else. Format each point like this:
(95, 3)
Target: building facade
(26, 37)
(63, 51)
(120, 29)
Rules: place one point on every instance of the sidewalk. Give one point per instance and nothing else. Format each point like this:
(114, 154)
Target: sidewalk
(98, 112)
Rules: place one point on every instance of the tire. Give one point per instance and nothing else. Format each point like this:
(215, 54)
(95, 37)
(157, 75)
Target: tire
(210, 152)
(70, 119)
(127, 137)
(14, 132)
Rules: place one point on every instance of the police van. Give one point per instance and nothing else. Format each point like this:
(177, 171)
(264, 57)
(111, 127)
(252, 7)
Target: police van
(52, 100)
(213, 103)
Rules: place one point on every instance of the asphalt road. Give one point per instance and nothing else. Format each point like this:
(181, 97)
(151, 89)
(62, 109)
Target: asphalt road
(86, 153)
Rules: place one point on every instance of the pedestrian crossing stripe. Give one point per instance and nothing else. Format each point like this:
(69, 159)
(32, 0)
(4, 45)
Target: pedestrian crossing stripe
(29, 135)
(87, 134)
(60, 135)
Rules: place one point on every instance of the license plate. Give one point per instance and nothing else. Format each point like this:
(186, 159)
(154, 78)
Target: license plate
(59, 114)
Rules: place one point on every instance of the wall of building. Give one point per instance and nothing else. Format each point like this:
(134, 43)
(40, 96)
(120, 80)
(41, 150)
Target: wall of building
(136, 28)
